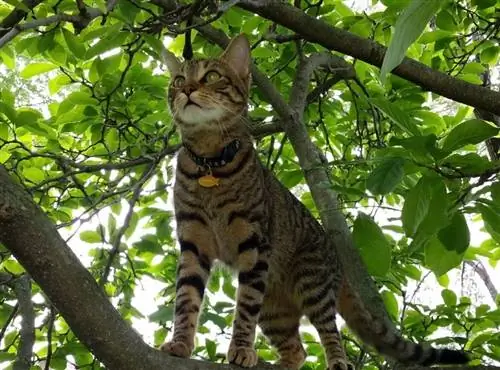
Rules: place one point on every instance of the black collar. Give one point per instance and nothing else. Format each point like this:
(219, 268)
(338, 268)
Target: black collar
(226, 155)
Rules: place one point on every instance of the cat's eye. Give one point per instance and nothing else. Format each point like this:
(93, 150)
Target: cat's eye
(179, 81)
(212, 76)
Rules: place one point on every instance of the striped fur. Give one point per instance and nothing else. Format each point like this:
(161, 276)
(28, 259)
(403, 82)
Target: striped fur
(286, 266)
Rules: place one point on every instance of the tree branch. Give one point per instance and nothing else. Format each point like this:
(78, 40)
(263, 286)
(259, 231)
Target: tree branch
(318, 31)
(16, 16)
(479, 269)
(22, 289)
(21, 286)
(80, 21)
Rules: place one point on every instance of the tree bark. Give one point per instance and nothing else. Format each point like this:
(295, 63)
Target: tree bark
(16, 16)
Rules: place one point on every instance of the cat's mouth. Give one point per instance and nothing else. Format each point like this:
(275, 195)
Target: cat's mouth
(192, 103)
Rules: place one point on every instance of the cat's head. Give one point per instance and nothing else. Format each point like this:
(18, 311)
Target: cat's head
(203, 93)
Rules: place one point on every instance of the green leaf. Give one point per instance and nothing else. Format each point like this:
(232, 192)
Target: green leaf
(437, 215)
(7, 356)
(397, 115)
(291, 178)
(445, 21)
(35, 69)
(164, 314)
(81, 98)
(211, 348)
(419, 145)
(491, 219)
(373, 246)
(391, 304)
(416, 206)
(483, 4)
(57, 83)
(386, 176)
(89, 236)
(468, 164)
(13, 266)
(34, 174)
(439, 259)
(490, 55)
(4, 131)
(495, 192)
(74, 44)
(449, 297)
(410, 24)
(156, 45)
(58, 363)
(8, 57)
(106, 44)
(473, 131)
(9, 112)
(19, 5)
(456, 235)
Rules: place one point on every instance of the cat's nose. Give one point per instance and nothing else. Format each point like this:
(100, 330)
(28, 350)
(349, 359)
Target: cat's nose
(188, 89)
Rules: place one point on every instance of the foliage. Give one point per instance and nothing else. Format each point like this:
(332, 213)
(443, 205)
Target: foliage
(96, 154)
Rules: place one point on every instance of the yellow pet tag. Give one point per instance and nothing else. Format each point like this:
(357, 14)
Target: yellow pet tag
(208, 181)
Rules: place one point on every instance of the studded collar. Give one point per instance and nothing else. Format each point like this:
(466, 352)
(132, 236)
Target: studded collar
(226, 156)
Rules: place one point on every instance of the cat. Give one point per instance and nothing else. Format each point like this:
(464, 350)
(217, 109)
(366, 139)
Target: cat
(229, 207)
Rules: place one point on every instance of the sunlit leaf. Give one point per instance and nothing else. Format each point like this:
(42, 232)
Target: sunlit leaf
(409, 26)
(34, 69)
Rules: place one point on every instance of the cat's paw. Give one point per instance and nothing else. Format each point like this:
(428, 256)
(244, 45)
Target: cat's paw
(179, 349)
(242, 356)
(340, 364)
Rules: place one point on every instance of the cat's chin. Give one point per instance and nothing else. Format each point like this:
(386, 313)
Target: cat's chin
(195, 115)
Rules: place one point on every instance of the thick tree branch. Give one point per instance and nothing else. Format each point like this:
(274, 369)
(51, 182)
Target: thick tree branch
(16, 16)
(318, 31)
(80, 21)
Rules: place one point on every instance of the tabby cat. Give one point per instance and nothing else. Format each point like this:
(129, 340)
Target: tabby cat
(229, 207)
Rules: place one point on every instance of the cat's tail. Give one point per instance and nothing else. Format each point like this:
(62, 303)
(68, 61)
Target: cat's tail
(384, 337)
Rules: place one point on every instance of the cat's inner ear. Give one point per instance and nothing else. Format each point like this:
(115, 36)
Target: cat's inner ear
(173, 64)
(237, 56)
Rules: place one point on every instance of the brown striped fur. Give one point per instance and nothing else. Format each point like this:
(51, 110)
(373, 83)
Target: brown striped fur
(286, 266)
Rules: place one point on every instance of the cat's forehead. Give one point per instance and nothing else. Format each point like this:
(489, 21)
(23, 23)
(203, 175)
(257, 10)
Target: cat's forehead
(199, 67)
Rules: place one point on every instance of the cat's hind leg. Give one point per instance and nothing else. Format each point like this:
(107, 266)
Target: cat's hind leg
(319, 306)
(282, 329)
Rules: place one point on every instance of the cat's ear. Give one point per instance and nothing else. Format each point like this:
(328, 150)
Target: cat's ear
(173, 64)
(237, 55)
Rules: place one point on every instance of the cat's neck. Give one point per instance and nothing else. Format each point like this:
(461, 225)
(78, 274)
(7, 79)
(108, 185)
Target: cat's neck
(211, 142)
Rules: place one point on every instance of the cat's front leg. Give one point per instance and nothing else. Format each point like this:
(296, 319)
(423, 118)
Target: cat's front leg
(253, 254)
(192, 275)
